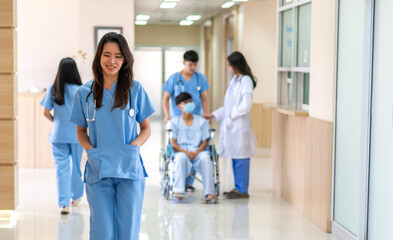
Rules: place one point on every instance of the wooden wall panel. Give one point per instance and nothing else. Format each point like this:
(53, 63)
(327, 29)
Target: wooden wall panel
(261, 124)
(8, 13)
(8, 96)
(302, 151)
(26, 131)
(43, 157)
(8, 186)
(8, 141)
(8, 56)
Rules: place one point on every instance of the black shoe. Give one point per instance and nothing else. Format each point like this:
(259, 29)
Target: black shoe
(190, 188)
(236, 194)
(226, 193)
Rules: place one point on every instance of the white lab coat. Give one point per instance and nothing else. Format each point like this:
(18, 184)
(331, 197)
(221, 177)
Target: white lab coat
(236, 137)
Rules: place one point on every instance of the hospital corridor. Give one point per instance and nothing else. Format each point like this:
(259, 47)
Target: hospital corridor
(196, 120)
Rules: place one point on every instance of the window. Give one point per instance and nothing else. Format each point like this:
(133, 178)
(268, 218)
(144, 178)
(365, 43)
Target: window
(294, 53)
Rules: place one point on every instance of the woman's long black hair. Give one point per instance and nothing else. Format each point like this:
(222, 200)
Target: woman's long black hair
(125, 79)
(238, 62)
(67, 73)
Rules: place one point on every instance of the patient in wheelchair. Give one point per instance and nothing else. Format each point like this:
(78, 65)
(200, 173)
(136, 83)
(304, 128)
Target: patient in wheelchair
(190, 137)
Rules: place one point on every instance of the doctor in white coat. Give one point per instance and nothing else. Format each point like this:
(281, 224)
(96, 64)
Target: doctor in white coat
(237, 141)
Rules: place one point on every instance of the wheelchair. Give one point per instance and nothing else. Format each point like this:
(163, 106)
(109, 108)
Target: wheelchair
(166, 164)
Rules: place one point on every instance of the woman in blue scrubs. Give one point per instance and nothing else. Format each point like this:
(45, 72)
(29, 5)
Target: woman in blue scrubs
(107, 111)
(237, 141)
(65, 147)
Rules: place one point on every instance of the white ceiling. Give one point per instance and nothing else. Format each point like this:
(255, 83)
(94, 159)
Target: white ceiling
(205, 8)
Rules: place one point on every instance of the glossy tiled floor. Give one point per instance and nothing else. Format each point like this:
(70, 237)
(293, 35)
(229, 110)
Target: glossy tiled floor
(263, 216)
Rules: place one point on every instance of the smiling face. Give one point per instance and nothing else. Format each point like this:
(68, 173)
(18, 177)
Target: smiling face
(111, 59)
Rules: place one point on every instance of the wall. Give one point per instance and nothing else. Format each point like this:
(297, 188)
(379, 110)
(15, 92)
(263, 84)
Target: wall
(169, 35)
(218, 56)
(323, 59)
(47, 32)
(8, 107)
(258, 43)
(61, 29)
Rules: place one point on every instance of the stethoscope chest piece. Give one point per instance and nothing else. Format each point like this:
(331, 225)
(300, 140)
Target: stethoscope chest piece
(131, 112)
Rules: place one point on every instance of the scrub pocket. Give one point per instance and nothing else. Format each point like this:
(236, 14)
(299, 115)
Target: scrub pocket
(93, 158)
(131, 163)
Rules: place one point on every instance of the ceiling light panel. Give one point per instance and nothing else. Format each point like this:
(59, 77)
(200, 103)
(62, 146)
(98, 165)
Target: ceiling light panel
(186, 22)
(141, 17)
(193, 17)
(168, 5)
(227, 4)
(140, 22)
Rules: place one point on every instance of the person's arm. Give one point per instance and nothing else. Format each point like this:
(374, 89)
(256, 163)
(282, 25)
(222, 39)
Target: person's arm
(177, 148)
(83, 138)
(205, 102)
(144, 134)
(48, 115)
(243, 108)
(165, 106)
(246, 99)
(202, 146)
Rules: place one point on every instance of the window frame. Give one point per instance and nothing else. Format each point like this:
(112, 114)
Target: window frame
(295, 99)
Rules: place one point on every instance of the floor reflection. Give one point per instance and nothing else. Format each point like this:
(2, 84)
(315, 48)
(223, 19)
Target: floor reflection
(70, 227)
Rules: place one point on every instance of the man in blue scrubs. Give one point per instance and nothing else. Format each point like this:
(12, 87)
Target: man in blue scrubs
(191, 81)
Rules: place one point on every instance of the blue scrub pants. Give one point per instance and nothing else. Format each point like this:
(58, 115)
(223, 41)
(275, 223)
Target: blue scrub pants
(241, 173)
(182, 166)
(115, 208)
(68, 172)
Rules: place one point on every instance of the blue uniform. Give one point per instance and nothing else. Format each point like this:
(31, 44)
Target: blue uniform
(190, 138)
(176, 84)
(114, 173)
(66, 150)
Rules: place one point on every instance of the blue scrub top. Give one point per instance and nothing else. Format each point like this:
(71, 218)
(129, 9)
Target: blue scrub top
(63, 131)
(112, 133)
(189, 86)
(190, 137)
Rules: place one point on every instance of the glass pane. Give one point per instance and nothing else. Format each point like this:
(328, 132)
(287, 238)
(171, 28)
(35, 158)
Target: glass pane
(145, 61)
(306, 88)
(286, 47)
(304, 34)
(286, 2)
(173, 61)
(348, 115)
(381, 165)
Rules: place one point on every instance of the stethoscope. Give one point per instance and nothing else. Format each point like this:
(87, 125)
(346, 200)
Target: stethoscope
(180, 81)
(131, 112)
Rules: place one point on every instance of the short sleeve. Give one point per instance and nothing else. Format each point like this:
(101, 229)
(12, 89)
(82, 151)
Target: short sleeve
(77, 115)
(174, 128)
(204, 84)
(169, 86)
(144, 105)
(247, 85)
(47, 101)
(205, 130)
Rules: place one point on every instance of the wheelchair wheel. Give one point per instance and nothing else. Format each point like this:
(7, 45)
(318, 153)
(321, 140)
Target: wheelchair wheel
(167, 191)
(217, 186)
(163, 171)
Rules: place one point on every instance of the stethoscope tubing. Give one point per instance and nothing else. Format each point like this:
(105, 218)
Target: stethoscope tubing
(131, 111)
(180, 81)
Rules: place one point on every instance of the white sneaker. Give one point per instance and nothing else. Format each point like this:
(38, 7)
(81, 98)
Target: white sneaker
(64, 210)
(75, 203)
